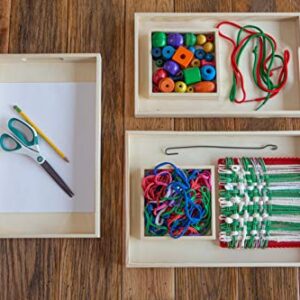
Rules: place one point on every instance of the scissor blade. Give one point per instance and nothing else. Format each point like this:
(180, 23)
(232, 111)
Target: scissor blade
(47, 167)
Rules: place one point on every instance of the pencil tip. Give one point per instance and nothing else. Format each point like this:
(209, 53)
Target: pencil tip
(66, 159)
(17, 108)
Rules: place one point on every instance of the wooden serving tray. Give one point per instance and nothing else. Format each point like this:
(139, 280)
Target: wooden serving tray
(146, 148)
(284, 27)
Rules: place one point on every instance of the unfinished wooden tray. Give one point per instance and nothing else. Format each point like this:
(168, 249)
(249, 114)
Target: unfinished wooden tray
(80, 118)
(146, 148)
(285, 27)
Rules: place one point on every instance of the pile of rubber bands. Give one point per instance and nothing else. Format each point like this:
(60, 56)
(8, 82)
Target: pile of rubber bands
(177, 201)
(267, 77)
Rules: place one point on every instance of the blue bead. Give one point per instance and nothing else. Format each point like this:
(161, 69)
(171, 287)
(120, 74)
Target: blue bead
(209, 57)
(177, 77)
(200, 53)
(208, 72)
(192, 49)
(167, 52)
(156, 52)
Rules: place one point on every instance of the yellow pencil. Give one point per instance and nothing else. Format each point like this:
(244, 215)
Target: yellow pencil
(40, 132)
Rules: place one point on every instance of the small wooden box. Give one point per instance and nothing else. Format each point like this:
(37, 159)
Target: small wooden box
(282, 26)
(187, 96)
(211, 235)
(57, 70)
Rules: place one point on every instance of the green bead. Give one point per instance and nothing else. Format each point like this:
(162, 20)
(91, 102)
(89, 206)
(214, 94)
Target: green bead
(159, 63)
(159, 39)
(191, 75)
(190, 39)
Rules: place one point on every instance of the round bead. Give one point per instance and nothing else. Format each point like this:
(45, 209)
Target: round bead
(178, 76)
(155, 89)
(195, 62)
(166, 85)
(208, 72)
(159, 63)
(201, 39)
(175, 39)
(192, 49)
(189, 39)
(159, 39)
(158, 75)
(180, 87)
(156, 53)
(208, 47)
(200, 53)
(172, 67)
(190, 89)
(209, 57)
(210, 38)
(167, 52)
(204, 87)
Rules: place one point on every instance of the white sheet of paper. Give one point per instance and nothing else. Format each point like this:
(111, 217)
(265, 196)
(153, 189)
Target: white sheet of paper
(66, 113)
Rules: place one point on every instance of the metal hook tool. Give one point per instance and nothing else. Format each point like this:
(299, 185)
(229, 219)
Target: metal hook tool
(168, 149)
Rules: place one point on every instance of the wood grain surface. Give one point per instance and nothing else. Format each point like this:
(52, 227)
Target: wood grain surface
(93, 268)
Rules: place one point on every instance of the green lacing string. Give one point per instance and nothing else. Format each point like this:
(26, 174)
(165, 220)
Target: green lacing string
(264, 74)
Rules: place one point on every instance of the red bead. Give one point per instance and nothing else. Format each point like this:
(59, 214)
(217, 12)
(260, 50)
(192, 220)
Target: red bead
(210, 37)
(155, 89)
(205, 62)
(158, 75)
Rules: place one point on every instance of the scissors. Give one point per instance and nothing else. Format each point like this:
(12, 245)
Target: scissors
(23, 139)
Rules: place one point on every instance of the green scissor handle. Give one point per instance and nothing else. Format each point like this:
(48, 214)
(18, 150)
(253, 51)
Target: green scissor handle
(24, 140)
(23, 131)
(8, 143)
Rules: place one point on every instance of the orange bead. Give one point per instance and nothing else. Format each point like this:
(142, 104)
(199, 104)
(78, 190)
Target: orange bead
(183, 56)
(166, 85)
(204, 87)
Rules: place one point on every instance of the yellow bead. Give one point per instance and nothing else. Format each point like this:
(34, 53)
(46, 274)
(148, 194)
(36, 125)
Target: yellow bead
(208, 47)
(190, 89)
(180, 87)
(201, 39)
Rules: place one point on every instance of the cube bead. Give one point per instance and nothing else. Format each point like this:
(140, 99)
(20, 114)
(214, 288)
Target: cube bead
(191, 75)
(183, 56)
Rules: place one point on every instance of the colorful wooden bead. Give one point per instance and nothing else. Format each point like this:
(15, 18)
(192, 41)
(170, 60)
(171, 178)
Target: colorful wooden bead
(190, 89)
(205, 87)
(210, 38)
(183, 56)
(168, 52)
(180, 87)
(201, 39)
(208, 72)
(192, 49)
(200, 53)
(195, 62)
(159, 63)
(205, 62)
(175, 39)
(166, 85)
(191, 75)
(208, 47)
(156, 53)
(189, 39)
(159, 39)
(209, 57)
(171, 67)
(178, 76)
(155, 89)
(158, 75)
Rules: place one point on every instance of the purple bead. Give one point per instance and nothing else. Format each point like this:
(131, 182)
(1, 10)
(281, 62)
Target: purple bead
(172, 67)
(175, 39)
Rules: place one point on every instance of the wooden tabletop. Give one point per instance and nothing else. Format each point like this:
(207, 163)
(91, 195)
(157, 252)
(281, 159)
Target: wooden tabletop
(93, 268)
